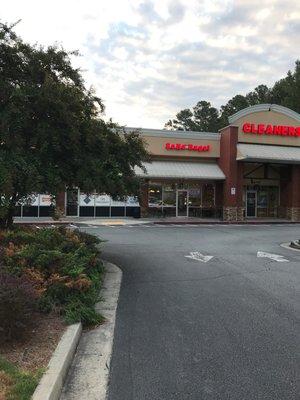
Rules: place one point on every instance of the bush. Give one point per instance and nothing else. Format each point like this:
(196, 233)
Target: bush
(17, 301)
(76, 310)
(62, 264)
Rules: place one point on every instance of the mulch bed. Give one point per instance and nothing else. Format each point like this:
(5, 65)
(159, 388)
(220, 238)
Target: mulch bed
(37, 345)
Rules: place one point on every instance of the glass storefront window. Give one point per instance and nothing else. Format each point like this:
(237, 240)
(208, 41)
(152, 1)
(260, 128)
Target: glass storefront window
(262, 199)
(155, 195)
(195, 197)
(267, 200)
(262, 203)
(273, 201)
(195, 201)
(182, 186)
(169, 195)
(208, 195)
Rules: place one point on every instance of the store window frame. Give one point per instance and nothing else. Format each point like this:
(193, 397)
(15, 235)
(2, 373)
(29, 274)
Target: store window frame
(183, 186)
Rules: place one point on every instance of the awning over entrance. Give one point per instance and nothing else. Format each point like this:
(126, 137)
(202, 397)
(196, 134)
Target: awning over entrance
(182, 170)
(265, 153)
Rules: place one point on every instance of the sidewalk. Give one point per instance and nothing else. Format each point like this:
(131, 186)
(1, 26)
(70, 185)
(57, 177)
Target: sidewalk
(205, 221)
(122, 221)
(82, 220)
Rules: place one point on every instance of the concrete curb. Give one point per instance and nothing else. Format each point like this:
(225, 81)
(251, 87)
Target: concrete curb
(288, 247)
(89, 374)
(226, 223)
(51, 383)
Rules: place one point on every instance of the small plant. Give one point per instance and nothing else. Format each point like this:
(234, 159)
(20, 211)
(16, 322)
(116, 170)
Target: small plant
(57, 213)
(17, 302)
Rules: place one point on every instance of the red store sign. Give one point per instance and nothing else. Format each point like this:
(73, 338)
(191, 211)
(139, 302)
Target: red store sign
(278, 130)
(189, 147)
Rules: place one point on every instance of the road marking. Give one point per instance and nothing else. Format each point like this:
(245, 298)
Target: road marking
(274, 257)
(196, 255)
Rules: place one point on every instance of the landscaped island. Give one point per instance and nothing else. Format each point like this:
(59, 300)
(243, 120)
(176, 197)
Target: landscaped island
(48, 278)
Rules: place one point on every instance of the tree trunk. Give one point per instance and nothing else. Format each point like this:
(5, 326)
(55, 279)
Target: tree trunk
(7, 220)
(7, 215)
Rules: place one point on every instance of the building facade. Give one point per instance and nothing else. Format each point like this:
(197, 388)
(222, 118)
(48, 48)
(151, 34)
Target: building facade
(250, 169)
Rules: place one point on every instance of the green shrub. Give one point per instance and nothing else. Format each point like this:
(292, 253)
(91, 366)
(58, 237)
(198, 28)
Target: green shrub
(62, 264)
(76, 311)
(17, 301)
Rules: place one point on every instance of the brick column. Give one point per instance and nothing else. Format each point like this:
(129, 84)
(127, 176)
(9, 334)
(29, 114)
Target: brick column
(293, 209)
(285, 192)
(219, 199)
(233, 170)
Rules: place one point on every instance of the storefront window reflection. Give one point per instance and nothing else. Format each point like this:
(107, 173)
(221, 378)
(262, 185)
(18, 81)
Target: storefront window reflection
(169, 200)
(169, 195)
(273, 201)
(262, 203)
(208, 195)
(155, 195)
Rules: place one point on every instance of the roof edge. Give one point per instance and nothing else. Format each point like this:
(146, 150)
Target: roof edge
(175, 134)
(264, 107)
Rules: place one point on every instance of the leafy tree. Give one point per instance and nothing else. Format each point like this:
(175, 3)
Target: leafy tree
(260, 95)
(182, 122)
(234, 105)
(51, 131)
(203, 118)
(286, 91)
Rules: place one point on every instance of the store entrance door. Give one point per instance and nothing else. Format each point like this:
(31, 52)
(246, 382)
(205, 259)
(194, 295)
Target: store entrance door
(182, 203)
(251, 204)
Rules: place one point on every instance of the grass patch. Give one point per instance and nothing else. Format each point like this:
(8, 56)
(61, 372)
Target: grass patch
(16, 384)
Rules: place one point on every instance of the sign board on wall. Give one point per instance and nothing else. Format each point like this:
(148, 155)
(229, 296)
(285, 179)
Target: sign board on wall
(86, 200)
(117, 203)
(102, 200)
(268, 129)
(32, 200)
(45, 200)
(132, 201)
(188, 147)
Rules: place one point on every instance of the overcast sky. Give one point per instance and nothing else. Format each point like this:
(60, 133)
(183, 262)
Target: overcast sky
(149, 59)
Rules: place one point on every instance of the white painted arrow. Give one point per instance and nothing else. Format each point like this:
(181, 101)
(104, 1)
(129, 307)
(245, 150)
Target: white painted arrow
(196, 255)
(274, 257)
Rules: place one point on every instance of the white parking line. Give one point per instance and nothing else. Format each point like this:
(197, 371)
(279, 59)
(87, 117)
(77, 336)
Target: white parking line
(274, 257)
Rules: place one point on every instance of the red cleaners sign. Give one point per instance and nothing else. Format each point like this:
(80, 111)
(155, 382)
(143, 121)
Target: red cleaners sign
(189, 147)
(279, 130)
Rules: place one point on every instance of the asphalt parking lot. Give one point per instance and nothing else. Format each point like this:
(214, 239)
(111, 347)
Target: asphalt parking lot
(205, 312)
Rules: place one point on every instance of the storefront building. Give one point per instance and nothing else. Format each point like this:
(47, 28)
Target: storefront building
(250, 169)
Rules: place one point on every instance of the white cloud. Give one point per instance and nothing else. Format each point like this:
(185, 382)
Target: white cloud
(149, 59)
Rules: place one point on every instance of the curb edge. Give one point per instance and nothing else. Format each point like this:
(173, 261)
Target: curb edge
(51, 383)
(84, 380)
(288, 247)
